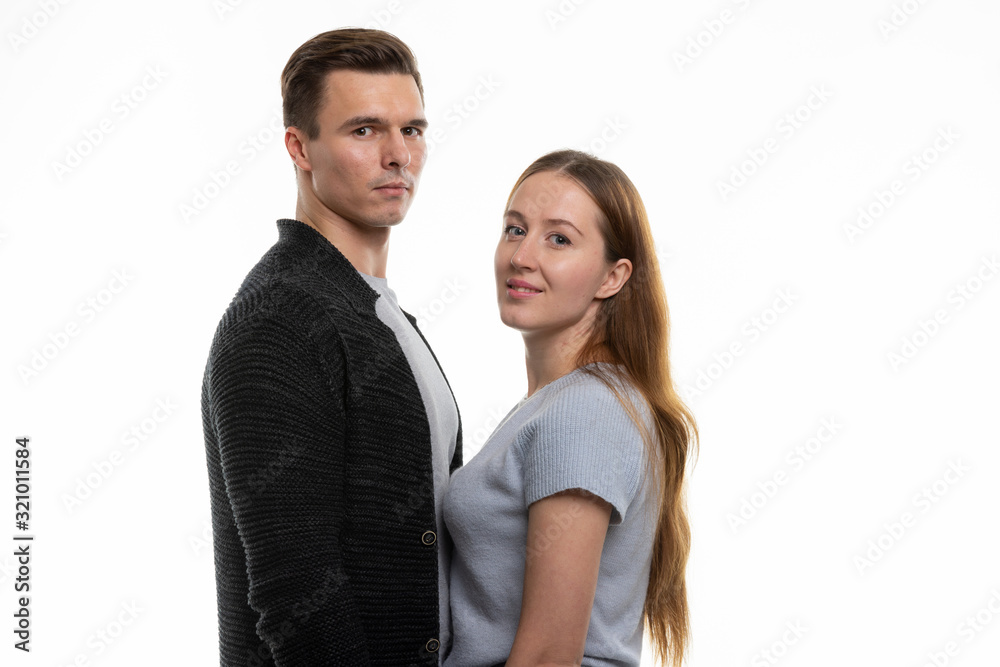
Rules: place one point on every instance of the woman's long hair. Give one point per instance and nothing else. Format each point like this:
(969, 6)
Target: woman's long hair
(631, 333)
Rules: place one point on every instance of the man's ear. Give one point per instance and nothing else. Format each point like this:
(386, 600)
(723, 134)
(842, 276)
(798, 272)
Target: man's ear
(616, 279)
(295, 143)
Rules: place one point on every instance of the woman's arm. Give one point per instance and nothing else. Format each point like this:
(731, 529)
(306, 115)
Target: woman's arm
(565, 538)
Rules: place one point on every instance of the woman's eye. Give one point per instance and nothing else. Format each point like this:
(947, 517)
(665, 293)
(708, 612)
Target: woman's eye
(559, 239)
(513, 230)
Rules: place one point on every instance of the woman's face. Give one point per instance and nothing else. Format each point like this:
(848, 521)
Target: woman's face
(550, 268)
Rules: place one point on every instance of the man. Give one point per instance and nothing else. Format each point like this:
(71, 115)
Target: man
(330, 429)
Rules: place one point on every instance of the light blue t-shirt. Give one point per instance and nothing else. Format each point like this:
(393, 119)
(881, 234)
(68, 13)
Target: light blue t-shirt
(571, 433)
(442, 417)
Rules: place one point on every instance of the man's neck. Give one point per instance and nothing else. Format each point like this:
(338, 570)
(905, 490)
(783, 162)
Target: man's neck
(366, 248)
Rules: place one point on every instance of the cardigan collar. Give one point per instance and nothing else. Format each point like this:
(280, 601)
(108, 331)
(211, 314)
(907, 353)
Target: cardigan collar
(315, 253)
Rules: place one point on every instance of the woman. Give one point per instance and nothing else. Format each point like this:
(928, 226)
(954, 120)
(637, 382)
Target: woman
(569, 526)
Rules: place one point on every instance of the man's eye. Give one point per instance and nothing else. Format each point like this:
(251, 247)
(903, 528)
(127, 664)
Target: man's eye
(412, 131)
(363, 131)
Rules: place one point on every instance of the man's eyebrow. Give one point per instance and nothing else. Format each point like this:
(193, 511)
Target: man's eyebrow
(360, 121)
(517, 215)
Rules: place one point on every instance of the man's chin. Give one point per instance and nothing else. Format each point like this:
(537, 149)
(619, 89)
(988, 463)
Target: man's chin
(388, 218)
(385, 222)
(375, 218)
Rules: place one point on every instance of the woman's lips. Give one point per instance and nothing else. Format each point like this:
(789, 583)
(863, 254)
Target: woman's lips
(520, 289)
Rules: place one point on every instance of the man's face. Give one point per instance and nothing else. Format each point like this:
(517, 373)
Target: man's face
(365, 164)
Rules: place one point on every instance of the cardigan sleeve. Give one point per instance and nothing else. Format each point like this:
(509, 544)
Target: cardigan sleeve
(278, 408)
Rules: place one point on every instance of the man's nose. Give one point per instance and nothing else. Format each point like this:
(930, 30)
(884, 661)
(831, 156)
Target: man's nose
(396, 153)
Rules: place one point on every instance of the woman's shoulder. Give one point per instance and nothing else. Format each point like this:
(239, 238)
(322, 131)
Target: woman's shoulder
(591, 403)
(595, 388)
(582, 436)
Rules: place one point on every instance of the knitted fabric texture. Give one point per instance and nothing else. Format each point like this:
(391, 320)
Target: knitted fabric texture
(320, 473)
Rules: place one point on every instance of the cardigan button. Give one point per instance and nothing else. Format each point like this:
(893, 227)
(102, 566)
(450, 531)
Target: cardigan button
(429, 538)
(432, 645)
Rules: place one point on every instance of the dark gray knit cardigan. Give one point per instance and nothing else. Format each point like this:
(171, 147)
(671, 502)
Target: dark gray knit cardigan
(319, 462)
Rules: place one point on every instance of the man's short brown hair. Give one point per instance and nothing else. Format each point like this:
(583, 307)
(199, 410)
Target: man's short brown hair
(303, 81)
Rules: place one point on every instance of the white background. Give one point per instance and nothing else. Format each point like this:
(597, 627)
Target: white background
(598, 75)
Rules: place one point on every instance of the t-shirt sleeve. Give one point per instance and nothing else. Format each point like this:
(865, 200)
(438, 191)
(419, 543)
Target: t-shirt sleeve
(583, 438)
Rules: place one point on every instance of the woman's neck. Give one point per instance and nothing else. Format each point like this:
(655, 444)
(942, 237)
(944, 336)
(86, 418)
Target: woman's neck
(550, 355)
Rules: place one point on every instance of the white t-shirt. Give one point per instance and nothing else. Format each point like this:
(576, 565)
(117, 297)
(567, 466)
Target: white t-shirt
(442, 417)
